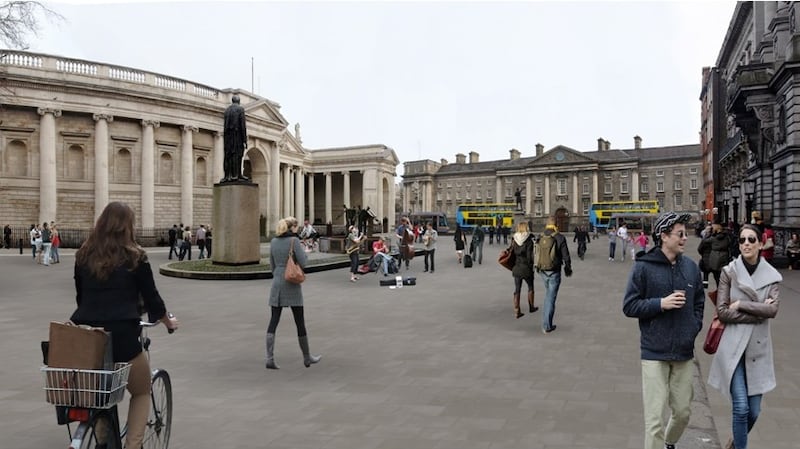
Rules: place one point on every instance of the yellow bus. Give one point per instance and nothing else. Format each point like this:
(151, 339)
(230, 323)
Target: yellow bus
(485, 215)
(600, 213)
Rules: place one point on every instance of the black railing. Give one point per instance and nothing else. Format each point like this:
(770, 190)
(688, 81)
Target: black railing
(74, 237)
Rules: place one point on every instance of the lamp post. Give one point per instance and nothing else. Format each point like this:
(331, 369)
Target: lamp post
(735, 193)
(749, 190)
(726, 197)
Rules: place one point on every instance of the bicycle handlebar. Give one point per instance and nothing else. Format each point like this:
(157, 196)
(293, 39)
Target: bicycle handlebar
(149, 324)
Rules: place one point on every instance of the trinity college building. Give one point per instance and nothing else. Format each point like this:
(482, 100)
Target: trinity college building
(77, 134)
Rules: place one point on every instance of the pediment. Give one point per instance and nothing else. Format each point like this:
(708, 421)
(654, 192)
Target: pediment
(263, 110)
(562, 155)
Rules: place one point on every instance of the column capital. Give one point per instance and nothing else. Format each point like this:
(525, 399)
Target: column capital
(346, 173)
(217, 134)
(55, 112)
(153, 123)
(190, 128)
(106, 117)
(326, 173)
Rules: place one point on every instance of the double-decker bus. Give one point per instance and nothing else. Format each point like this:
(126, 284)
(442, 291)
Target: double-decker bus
(438, 219)
(600, 213)
(497, 214)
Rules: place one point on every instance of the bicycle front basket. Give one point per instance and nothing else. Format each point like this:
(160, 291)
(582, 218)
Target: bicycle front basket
(85, 388)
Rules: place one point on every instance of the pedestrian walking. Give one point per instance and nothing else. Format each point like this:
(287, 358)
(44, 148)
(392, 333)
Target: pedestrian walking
(173, 241)
(186, 244)
(461, 242)
(491, 234)
(622, 234)
(715, 253)
(7, 236)
(612, 243)
(665, 294)
(429, 244)
(55, 243)
(284, 293)
(47, 243)
(200, 238)
(552, 253)
(476, 245)
(405, 241)
(522, 244)
(743, 368)
(582, 237)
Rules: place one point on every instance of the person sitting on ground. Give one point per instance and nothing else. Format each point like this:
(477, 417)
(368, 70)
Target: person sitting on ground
(380, 248)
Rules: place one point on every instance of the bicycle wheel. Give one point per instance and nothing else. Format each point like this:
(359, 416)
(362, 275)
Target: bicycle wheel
(156, 434)
(93, 434)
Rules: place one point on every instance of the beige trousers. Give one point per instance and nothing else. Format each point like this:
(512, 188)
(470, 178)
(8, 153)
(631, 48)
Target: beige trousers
(139, 407)
(666, 384)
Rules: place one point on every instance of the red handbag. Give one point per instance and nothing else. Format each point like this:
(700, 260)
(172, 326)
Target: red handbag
(715, 330)
(507, 258)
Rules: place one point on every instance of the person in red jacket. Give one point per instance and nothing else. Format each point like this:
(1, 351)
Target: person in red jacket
(768, 249)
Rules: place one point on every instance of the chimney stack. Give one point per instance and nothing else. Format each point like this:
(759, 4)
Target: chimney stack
(461, 158)
(601, 144)
(539, 149)
(514, 154)
(608, 145)
(473, 157)
(637, 143)
(444, 162)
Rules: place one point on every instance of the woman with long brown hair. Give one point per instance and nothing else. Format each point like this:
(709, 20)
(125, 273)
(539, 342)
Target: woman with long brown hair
(113, 280)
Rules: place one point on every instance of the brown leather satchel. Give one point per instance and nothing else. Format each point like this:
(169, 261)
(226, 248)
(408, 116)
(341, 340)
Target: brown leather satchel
(715, 330)
(507, 258)
(294, 272)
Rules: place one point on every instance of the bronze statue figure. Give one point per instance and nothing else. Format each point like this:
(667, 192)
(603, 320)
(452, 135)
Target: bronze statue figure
(235, 141)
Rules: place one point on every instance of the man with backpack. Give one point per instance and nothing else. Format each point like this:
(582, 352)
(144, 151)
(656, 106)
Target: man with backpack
(551, 254)
(476, 246)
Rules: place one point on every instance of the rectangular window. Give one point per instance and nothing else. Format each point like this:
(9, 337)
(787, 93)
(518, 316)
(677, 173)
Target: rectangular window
(645, 187)
(693, 171)
(676, 185)
(538, 189)
(585, 207)
(438, 196)
(586, 189)
(508, 193)
(659, 172)
(623, 174)
(537, 209)
(458, 196)
(489, 193)
(468, 197)
(478, 184)
(623, 187)
(694, 200)
(678, 200)
(562, 186)
(478, 195)
(607, 189)
(660, 187)
(448, 196)
(693, 183)
(469, 184)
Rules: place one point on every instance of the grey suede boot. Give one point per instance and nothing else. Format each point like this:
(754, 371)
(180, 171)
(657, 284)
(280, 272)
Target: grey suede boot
(308, 359)
(270, 352)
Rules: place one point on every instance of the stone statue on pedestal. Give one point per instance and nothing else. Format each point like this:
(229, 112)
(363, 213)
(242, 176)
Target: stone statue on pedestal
(234, 141)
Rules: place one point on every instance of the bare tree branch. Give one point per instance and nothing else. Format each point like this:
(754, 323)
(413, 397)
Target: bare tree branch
(20, 19)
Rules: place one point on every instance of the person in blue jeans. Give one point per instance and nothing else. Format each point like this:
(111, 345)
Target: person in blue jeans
(551, 276)
(743, 368)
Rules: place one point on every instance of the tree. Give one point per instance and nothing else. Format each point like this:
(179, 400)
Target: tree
(20, 19)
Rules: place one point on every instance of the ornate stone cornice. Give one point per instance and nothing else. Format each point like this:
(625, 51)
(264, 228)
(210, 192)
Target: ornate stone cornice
(153, 123)
(106, 117)
(55, 112)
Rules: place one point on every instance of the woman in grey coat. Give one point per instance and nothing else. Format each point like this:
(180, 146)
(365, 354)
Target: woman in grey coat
(743, 369)
(286, 294)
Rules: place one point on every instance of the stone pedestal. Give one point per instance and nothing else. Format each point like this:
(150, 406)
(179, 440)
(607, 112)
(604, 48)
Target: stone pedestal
(235, 224)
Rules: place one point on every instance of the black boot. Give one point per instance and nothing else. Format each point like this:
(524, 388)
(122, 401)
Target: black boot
(270, 352)
(308, 359)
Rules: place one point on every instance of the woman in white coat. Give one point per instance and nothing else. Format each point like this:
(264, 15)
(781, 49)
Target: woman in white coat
(743, 369)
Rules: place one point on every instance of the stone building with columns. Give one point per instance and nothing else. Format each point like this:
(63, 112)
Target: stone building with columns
(752, 135)
(77, 134)
(560, 182)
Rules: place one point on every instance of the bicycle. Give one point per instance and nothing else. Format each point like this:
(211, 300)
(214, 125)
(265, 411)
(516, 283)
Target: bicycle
(90, 398)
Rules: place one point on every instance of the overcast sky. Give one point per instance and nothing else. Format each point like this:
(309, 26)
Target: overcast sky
(428, 79)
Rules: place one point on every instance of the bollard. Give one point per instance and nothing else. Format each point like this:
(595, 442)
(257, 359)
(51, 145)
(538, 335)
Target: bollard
(20, 246)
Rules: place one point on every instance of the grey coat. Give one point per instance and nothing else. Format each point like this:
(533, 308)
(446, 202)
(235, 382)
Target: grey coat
(746, 329)
(282, 293)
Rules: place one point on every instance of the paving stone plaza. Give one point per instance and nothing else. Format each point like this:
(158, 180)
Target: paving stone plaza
(439, 365)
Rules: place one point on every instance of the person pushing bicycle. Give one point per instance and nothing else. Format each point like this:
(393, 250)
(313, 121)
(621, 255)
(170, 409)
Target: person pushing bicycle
(113, 281)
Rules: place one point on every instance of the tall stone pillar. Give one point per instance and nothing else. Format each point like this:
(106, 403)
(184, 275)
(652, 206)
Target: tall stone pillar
(275, 187)
(328, 198)
(575, 211)
(47, 164)
(218, 170)
(391, 213)
(187, 177)
(346, 190)
(311, 214)
(299, 193)
(498, 186)
(287, 187)
(546, 195)
(635, 185)
(148, 173)
(594, 187)
(529, 195)
(101, 162)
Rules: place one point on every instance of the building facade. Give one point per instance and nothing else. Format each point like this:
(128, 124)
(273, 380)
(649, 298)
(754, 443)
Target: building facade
(77, 134)
(758, 146)
(561, 182)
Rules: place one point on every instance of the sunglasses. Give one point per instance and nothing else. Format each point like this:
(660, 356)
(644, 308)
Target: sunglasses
(679, 234)
(750, 239)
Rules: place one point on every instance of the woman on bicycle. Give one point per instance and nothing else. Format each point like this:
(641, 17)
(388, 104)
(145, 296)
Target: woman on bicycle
(112, 279)
(284, 293)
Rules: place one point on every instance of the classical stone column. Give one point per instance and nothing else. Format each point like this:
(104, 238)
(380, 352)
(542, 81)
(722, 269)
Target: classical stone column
(311, 214)
(299, 193)
(287, 187)
(391, 213)
(47, 164)
(346, 190)
(187, 175)
(498, 187)
(148, 173)
(575, 195)
(218, 170)
(328, 198)
(635, 185)
(275, 187)
(101, 162)
(546, 211)
(594, 187)
(529, 195)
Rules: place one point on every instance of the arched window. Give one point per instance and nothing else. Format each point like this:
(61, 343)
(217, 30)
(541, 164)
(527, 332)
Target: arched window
(75, 162)
(166, 169)
(122, 166)
(200, 175)
(17, 158)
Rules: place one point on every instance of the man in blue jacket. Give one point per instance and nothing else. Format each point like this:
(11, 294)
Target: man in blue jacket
(665, 292)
